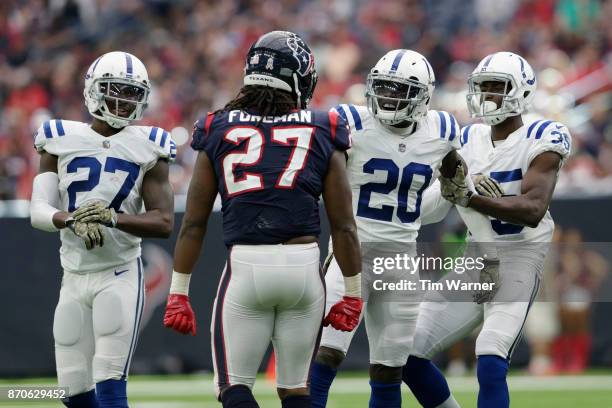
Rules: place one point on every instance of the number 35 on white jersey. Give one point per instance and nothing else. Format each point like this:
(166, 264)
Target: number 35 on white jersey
(508, 162)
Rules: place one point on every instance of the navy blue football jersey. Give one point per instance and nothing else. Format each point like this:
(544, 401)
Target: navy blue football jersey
(270, 171)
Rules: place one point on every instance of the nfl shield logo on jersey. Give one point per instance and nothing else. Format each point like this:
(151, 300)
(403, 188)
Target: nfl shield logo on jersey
(402, 148)
(106, 144)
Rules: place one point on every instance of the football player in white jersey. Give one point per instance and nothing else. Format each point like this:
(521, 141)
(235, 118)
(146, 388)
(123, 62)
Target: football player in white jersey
(103, 186)
(399, 148)
(524, 158)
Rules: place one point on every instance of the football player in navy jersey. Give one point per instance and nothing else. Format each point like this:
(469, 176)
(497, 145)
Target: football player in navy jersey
(270, 158)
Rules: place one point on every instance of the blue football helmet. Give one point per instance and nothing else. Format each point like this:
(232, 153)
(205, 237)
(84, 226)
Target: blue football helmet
(282, 60)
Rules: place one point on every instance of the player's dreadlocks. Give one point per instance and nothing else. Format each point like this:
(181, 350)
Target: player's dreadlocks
(262, 100)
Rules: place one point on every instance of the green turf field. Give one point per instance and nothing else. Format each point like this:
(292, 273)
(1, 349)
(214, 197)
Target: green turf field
(590, 391)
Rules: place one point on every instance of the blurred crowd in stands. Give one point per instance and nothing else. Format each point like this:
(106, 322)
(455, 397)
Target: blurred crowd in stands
(194, 53)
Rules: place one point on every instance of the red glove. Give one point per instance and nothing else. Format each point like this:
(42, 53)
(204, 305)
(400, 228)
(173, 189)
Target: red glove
(344, 315)
(179, 314)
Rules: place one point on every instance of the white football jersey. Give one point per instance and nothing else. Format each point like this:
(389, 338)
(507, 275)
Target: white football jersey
(507, 162)
(388, 172)
(92, 167)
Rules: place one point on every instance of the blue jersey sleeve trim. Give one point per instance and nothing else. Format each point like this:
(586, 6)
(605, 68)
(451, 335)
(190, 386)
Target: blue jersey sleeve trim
(442, 125)
(163, 139)
(47, 129)
(533, 125)
(465, 135)
(453, 124)
(153, 134)
(172, 149)
(541, 129)
(60, 127)
(342, 112)
(356, 117)
(507, 176)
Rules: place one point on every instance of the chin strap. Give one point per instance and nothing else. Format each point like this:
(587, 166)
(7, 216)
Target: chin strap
(297, 91)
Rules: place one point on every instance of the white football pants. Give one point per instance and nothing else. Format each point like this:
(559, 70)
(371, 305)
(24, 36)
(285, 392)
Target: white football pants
(96, 325)
(390, 318)
(267, 293)
(442, 322)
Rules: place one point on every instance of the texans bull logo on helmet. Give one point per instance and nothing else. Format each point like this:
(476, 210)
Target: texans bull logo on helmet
(304, 57)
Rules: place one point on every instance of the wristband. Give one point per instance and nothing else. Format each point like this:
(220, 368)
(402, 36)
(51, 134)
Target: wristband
(180, 283)
(352, 285)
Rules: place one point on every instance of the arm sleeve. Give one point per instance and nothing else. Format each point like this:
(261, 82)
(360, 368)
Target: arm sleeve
(45, 200)
(555, 137)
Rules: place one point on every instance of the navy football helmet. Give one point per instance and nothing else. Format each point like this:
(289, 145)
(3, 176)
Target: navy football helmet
(282, 60)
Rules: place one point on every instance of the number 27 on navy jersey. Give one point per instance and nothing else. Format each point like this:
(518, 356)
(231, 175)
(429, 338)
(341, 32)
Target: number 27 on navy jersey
(270, 171)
